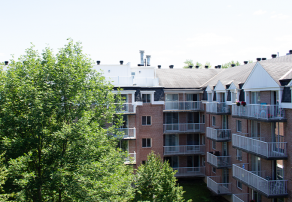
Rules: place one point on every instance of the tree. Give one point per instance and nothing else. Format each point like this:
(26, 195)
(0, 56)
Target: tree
(191, 63)
(208, 64)
(155, 181)
(53, 118)
(228, 64)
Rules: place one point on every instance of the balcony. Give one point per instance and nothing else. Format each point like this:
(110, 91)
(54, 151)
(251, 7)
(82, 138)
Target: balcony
(219, 135)
(220, 108)
(215, 185)
(269, 113)
(126, 108)
(190, 171)
(129, 133)
(184, 149)
(266, 150)
(269, 188)
(176, 106)
(218, 161)
(133, 81)
(131, 158)
(240, 197)
(183, 128)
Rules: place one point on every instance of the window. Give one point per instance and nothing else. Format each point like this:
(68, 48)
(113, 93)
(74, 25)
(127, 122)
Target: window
(143, 162)
(239, 155)
(146, 120)
(146, 142)
(238, 126)
(146, 98)
(239, 184)
(203, 118)
(213, 144)
(203, 161)
(213, 169)
(203, 139)
(213, 121)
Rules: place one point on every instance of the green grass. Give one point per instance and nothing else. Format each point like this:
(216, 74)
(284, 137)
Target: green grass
(197, 191)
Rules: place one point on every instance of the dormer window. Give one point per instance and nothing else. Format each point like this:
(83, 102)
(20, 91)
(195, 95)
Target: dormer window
(146, 98)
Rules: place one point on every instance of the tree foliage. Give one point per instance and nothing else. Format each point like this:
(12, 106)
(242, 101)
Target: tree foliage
(191, 63)
(228, 64)
(155, 181)
(54, 111)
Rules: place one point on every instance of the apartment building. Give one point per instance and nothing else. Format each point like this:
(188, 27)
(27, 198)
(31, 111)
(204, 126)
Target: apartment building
(231, 127)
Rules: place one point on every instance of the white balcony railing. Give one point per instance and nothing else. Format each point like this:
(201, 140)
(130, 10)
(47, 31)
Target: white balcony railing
(126, 108)
(184, 149)
(259, 111)
(259, 147)
(270, 188)
(131, 158)
(189, 171)
(184, 128)
(214, 183)
(183, 105)
(240, 197)
(218, 134)
(129, 133)
(217, 108)
(219, 161)
(133, 81)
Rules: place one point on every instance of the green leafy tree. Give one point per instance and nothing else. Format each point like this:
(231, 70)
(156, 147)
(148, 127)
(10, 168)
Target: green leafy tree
(54, 116)
(155, 181)
(228, 64)
(191, 63)
(208, 64)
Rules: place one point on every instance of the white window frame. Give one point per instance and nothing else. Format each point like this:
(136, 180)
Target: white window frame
(147, 146)
(146, 121)
(237, 124)
(213, 121)
(238, 155)
(214, 144)
(239, 184)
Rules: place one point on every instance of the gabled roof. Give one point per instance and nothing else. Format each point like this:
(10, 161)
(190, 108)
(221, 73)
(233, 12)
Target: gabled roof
(219, 87)
(184, 78)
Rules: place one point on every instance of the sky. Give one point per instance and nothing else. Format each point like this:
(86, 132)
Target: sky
(171, 31)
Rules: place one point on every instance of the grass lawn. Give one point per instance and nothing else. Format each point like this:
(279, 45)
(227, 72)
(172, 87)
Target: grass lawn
(197, 191)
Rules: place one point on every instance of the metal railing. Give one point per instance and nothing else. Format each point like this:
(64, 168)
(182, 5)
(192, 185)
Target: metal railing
(183, 105)
(218, 134)
(259, 111)
(217, 107)
(189, 171)
(269, 188)
(126, 108)
(218, 161)
(184, 127)
(131, 158)
(240, 197)
(184, 149)
(214, 183)
(129, 133)
(259, 147)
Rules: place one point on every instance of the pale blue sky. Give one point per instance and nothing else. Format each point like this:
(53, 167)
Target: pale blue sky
(171, 31)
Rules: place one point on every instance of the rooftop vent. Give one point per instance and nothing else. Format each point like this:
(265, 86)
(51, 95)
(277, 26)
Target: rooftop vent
(259, 59)
(142, 56)
(216, 67)
(190, 66)
(206, 66)
(121, 62)
(148, 59)
(197, 66)
(6, 62)
(97, 62)
(159, 66)
(290, 51)
(232, 65)
(264, 58)
(219, 66)
(245, 62)
(170, 66)
(274, 55)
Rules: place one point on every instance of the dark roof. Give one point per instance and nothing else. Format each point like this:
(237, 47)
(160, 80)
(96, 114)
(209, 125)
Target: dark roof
(184, 78)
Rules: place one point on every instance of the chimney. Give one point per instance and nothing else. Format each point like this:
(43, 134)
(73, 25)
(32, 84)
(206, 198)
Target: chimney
(197, 66)
(264, 58)
(141, 57)
(245, 62)
(170, 66)
(159, 66)
(258, 59)
(190, 66)
(274, 55)
(290, 52)
(6, 62)
(121, 62)
(206, 66)
(97, 62)
(219, 66)
(148, 59)
(232, 65)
